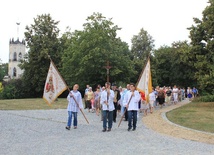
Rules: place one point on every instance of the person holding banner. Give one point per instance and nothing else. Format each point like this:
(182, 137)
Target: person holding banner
(131, 100)
(74, 105)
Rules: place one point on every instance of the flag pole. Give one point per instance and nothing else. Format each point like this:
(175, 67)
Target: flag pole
(68, 89)
(124, 112)
(79, 108)
(143, 70)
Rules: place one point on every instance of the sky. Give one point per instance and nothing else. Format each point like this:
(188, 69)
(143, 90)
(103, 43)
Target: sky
(165, 20)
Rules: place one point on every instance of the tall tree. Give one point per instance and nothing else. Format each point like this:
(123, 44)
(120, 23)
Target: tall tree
(142, 45)
(90, 49)
(171, 65)
(42, 40)
(202, 53)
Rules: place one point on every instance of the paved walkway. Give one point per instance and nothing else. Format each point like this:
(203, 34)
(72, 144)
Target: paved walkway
(42, 132)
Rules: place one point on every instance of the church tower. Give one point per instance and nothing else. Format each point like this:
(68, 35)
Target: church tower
(16, 54)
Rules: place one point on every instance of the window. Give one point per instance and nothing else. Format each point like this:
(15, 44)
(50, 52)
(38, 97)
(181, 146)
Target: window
(14, 72)
(14, 56)
(20, 56)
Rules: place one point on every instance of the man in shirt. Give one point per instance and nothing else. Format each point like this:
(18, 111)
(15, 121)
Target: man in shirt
(131, 100)
(116, 99)
(107, 98)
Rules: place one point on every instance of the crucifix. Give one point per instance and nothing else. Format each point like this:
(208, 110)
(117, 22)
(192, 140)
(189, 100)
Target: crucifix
(107, 67)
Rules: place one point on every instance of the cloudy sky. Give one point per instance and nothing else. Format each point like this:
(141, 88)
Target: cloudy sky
(165, 20)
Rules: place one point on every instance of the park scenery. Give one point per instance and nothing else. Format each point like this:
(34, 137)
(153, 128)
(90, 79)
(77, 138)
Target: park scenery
(161, 100)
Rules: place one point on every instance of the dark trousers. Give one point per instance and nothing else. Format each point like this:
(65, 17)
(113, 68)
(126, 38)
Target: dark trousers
(132, 118)
(126, 114)
(88, 104)
(107, 115)
(115, 112)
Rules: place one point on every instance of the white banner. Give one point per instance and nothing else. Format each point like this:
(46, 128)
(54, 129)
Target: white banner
(54, 85)
(144, 85)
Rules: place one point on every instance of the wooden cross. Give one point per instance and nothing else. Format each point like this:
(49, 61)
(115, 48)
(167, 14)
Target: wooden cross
(107, 67)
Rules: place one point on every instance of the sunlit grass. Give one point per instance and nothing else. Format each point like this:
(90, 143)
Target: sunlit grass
(196, 115)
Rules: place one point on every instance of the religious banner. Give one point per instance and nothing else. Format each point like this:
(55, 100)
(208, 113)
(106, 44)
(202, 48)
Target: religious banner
(54, 85)
(144, 84)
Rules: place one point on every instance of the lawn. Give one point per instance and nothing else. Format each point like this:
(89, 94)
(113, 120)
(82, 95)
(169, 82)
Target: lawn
(195, 115)
(32, 104)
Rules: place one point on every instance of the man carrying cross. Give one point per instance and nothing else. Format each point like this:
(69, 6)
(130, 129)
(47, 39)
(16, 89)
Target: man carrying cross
(106, 100)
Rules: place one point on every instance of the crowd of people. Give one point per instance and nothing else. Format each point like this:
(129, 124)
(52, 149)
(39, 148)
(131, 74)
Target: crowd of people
(110, 100)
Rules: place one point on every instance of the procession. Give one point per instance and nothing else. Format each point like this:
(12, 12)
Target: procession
(107, 77)
(109, 101)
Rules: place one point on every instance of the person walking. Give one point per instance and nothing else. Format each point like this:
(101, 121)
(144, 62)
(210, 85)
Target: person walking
(89, 98)
(74, 105)
(85, 96)
(116, 99)
(189, 93)
(131, 100)
(152, 99)
(119, 107)
(97, 95)
(175, 94)
(194, 92)
(123, 108)
(106, 100)
(161, 97)
(168, 95)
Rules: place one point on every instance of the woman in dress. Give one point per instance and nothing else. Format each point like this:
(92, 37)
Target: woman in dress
(97, 95)
(175, 94)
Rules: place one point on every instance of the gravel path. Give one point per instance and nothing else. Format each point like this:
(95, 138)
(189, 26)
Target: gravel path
(42, 132)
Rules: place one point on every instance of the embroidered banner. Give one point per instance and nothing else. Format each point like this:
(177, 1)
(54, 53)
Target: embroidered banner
(54, 85)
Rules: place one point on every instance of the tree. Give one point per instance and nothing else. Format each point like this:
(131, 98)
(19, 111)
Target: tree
(202, 52)
(89, 50)
(171, 65)
(1, 87)
(3, 70)
(142, 45)
(42, 41)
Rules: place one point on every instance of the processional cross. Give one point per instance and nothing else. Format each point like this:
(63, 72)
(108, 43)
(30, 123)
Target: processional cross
(107, 67)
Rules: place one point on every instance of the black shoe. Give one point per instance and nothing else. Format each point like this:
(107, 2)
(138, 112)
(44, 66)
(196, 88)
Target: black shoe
(133, 129)
(67, 127)
(104, 130)
(129, 129)
(114, 121)
(109, 129)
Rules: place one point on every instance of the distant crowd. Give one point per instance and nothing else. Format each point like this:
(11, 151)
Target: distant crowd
(159, 96)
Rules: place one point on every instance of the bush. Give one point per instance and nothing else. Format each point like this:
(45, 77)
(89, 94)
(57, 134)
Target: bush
(13, 89)
(207, 98)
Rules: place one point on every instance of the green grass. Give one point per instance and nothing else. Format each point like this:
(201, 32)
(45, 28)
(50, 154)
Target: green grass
(32, 104)
(195, 115)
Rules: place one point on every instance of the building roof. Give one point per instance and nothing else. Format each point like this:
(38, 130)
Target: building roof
(12, 41)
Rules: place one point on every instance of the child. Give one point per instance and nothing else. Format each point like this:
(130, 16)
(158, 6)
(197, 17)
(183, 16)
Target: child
(74, 105)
